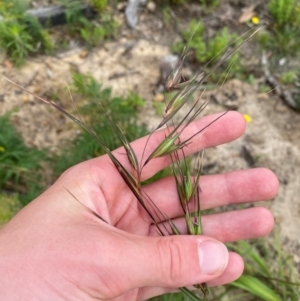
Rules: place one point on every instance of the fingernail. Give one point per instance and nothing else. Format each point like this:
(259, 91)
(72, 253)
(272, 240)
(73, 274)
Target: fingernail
(213, 257)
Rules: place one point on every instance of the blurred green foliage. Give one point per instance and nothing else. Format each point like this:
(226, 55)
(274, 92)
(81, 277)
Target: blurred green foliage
(20, 166)
(99, 104)
(92, 32)
(20, 33)
(9, 206)
(269, 272)
(205, 50)
(283, 36)
(285, 13)
(209, 51)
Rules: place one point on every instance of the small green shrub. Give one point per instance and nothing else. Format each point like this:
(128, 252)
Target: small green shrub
(285, 12)
(210, 4)
(285, 41)
(205, 51)
(100, 5)
(209, 51)
(289, 77)
(192, 37)
(216, 46)
(121, 111)
(16, 41)
(285, 31)
(20, 169)
(21, 34)
(91, 32)
(94, 33)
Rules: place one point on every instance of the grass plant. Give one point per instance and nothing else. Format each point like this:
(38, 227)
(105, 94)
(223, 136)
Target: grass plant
(269, 272)
(170, 297)
(172, 145)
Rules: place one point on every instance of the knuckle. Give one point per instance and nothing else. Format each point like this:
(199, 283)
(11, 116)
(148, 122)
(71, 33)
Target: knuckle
(172, 261)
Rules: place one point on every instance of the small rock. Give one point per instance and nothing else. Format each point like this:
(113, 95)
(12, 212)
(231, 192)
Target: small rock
(49, 72)
(37, 90)
(167, 65)
(121, 6)
(296, 258)
(25, 98)
(288, 127)
(282, 61)
(83, 54)
(8, 64)
(159, 97)
(281, 108)
(151, 6)
(131, 12)
(254, 139)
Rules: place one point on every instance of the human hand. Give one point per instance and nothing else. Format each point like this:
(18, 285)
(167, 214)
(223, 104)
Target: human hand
(57, 249)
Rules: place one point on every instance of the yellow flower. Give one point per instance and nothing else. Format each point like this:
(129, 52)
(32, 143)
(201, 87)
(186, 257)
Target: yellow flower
(255, 20)
(2, 149)
(248, 118)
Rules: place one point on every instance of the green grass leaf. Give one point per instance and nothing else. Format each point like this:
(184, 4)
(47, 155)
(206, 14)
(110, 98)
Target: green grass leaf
(256, 287)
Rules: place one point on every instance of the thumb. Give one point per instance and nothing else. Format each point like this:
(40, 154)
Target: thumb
(177, 261)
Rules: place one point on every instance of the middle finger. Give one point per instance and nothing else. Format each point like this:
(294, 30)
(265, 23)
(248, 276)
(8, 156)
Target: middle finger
(216, 190)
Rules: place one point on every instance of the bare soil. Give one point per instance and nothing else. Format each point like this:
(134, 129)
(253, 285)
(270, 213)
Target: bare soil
(132, 62)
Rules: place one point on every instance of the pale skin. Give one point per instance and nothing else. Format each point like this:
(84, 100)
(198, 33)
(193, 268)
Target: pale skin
(57, 249)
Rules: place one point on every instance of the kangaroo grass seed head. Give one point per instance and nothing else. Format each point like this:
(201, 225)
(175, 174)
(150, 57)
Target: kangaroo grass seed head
(166, 147)
(175, 78)
(129, 150)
